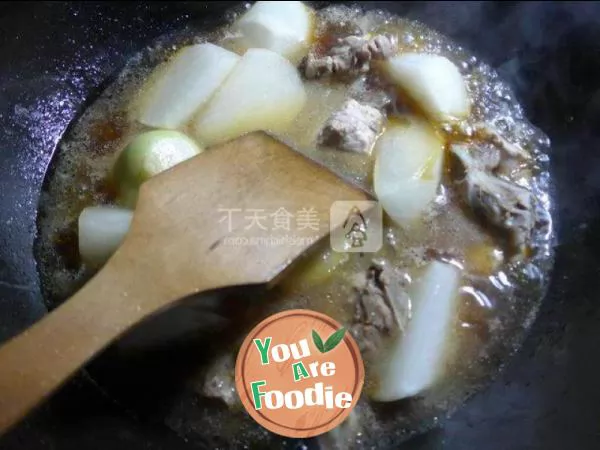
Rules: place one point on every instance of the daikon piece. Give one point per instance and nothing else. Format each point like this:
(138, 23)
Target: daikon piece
(433, 82)
(147, 155)
(101, 231)
(183, 85)
(264, 92)
(408, 169)
(416, 359)
(283, 27)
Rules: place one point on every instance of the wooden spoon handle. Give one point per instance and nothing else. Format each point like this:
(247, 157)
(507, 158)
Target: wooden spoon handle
(38, 361)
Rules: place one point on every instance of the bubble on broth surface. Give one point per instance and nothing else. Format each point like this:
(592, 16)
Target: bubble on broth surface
(495, 309)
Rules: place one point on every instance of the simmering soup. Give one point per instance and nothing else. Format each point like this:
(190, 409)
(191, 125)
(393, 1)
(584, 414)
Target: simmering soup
(385, 102)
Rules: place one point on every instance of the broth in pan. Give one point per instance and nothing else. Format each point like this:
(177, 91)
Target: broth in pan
(386, 102)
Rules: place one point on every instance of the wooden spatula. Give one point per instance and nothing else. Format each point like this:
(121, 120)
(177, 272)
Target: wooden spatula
(223, 218)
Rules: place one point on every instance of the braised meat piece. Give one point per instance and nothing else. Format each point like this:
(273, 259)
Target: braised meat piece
(351, 55)
(353, 128)
(504, 204)
(382, 306)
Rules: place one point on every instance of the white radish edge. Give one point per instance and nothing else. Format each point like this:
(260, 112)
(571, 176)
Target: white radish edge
(284, 27)
(221, 120)
(101, 232)
(433, 81)
(415, 360)
(403, 193)
(183, 85)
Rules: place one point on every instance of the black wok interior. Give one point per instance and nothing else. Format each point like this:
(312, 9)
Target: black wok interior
(58, 56)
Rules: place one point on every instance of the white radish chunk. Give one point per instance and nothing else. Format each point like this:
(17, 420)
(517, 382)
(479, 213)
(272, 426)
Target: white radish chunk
(283, 27)
(416, 359)
(433, 82)
(101, 231)
(184, 84)
(147, 155)
(264, 92)
(408, 169)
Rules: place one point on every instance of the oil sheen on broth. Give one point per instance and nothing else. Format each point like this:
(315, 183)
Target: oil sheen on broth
(498, 297)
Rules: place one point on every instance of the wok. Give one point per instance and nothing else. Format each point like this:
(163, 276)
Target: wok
(56, 57)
